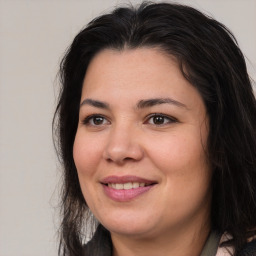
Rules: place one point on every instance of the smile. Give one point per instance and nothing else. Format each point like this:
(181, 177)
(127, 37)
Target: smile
(128, 185)
(126, 188)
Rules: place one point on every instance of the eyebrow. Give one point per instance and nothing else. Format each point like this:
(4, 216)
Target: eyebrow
(95, 103)
(141, 104)
(152, 102)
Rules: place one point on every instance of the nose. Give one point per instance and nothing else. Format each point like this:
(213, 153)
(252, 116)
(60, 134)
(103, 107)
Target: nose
(123, 146)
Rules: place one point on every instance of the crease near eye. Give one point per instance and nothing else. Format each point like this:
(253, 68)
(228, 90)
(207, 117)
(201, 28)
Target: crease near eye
(158, 119)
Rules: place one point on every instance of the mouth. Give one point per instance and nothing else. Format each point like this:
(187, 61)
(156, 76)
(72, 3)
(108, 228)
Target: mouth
(126, 182)
(128, 185)
(126, 188)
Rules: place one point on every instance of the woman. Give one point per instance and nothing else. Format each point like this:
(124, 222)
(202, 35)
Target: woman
(156, 125)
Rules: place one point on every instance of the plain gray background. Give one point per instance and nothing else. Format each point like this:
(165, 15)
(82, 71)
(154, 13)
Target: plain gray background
(33, 37)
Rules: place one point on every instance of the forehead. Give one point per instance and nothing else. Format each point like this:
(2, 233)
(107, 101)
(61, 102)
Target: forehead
(136, 74)
(142, 66)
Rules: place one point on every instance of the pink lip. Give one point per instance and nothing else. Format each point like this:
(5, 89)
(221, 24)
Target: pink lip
(124, 195)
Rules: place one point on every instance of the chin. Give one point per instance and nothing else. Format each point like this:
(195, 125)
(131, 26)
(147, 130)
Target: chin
(128, 225)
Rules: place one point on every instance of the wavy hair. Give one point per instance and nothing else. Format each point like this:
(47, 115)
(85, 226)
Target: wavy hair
(210, 59)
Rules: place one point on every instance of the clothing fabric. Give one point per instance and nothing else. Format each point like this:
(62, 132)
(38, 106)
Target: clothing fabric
(211, 245)
(101, 245)
(248, 250)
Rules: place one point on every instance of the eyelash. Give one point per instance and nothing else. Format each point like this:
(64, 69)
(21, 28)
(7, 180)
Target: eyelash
(167, 119)
(90, 118)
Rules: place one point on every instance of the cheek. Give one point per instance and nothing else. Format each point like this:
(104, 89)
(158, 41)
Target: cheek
(183, 163)
(186, 176)
(178, 152)
(86, 154)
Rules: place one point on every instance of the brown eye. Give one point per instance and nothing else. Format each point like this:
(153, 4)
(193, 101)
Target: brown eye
(95, 120)
(159, 119)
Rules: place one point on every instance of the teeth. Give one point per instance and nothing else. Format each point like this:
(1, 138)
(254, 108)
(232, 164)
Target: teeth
(128, 185)
(135, 184)
(112, 185)
(119, 186)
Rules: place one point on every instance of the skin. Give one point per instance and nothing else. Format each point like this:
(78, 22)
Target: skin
(173, 217)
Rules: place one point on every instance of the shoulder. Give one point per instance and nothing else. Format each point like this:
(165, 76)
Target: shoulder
(249, 249)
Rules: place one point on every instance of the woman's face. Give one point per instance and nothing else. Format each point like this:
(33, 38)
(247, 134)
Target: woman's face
(140, 145)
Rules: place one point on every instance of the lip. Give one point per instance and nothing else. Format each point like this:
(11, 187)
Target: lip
(125, 195)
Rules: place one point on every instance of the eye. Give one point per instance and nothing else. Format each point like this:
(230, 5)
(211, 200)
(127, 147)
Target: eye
(160, 119)
(95, 120)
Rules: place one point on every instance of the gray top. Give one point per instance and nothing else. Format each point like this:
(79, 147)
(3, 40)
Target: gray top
(211, 245)
(101, 245)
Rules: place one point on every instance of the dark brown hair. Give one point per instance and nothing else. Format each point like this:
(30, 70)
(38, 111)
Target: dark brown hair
(212, 62)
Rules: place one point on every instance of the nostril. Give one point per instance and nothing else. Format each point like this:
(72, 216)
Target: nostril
(121, 161)
(128, 159)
